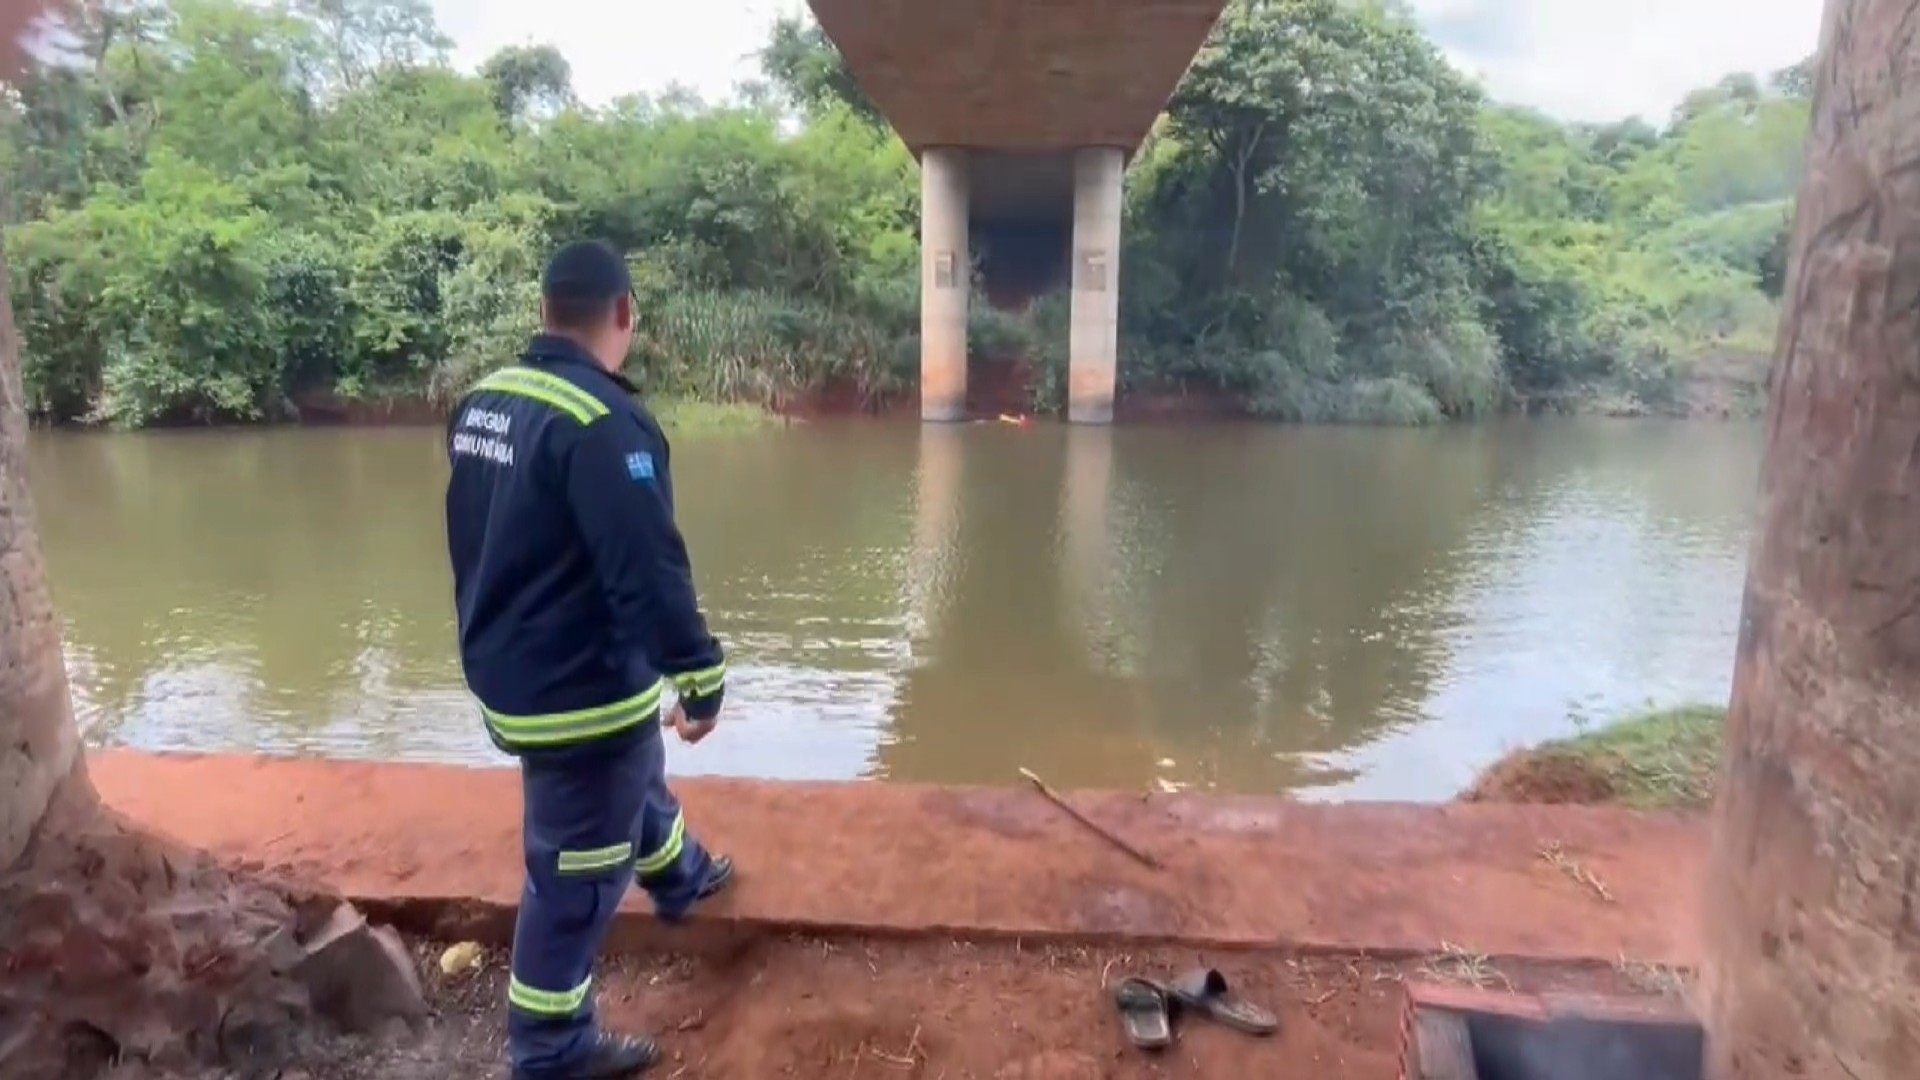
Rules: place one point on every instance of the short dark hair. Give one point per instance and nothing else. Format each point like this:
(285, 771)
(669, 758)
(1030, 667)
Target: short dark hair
(583, 283)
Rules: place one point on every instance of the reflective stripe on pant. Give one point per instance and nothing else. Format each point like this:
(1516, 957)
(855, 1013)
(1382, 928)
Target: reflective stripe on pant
(670, 864)
(593, 818)
(579, 817)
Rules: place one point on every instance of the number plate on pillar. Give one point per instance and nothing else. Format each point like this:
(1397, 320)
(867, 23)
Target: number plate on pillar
(943, 270)
(1090, 270)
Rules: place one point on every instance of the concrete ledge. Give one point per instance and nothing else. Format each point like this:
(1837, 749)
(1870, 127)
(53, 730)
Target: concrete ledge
(438, 848)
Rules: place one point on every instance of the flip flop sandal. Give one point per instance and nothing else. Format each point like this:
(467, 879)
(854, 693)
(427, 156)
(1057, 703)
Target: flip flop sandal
(1204, 991)
(612, 1057)
(1144, 1012)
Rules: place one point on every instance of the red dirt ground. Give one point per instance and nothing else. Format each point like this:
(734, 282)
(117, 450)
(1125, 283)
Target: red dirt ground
(903, 859)
(848, 1009)
(1312, 910)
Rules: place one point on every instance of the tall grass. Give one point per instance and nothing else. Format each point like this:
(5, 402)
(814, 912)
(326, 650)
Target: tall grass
(758, 347)
(739, 347)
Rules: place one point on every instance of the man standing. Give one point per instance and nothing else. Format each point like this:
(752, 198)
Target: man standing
(576, 607)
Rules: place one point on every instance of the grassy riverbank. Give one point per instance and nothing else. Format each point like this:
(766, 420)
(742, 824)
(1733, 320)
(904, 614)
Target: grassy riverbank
(677, 413)
(685, 416)
(1663, 760)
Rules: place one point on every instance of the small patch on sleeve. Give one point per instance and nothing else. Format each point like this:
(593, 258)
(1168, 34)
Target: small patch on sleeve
(640, 466)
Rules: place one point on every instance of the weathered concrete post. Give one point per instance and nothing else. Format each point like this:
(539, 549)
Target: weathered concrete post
(1813, 928)
(944, 269)
(1093, 348)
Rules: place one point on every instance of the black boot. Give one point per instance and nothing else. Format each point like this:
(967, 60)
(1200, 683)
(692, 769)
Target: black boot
(714, 879)
(719, 876)
(612, 1057)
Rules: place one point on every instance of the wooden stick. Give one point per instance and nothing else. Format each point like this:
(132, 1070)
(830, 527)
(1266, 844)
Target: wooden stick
(1097, 829)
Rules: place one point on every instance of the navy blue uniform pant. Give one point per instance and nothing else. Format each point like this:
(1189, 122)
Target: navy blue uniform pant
(597, 817)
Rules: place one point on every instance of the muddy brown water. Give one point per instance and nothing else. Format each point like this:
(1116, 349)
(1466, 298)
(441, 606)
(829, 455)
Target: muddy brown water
(1337, 612)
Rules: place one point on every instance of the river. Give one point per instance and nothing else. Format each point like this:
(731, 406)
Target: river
(1340, 613)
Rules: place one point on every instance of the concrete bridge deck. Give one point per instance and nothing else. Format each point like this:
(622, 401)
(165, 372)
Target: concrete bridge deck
(438, 847)
(1018, 75)
(1022, 113)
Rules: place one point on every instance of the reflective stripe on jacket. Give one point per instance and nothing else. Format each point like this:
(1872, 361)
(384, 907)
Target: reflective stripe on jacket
(572, 585)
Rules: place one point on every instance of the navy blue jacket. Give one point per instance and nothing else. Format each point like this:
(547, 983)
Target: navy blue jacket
(571, 579)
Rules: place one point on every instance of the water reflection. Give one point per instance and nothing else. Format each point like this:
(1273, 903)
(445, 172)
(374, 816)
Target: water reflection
(1336, 612)
(1088, 531)
(1605, 577)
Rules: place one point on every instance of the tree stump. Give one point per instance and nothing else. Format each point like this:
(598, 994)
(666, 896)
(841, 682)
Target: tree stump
(115, 943)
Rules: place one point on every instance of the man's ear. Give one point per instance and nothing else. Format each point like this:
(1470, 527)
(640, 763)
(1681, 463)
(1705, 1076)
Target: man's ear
(623, 312)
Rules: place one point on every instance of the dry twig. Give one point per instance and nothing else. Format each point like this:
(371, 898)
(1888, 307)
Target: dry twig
(906, 1059)
(1556, 857)
(1096, 828)
(1458, 965)
(1649, 978)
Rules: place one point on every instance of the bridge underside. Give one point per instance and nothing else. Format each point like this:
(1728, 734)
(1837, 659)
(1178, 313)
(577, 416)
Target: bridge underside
(1022, 113)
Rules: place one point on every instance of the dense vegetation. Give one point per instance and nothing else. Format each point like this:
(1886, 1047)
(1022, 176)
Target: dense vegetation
(216, 207)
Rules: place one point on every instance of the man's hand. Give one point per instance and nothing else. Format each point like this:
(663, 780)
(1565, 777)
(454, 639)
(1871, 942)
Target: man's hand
(690, 730)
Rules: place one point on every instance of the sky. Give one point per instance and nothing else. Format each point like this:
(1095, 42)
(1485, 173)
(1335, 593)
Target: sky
(1595, 60)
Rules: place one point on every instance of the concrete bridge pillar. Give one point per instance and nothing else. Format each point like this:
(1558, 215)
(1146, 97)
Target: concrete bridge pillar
(1093, 346)
(944, 270)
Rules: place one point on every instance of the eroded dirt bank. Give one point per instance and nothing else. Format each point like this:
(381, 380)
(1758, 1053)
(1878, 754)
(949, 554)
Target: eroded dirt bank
(438, 849)
(1667, 760)
(884, 930)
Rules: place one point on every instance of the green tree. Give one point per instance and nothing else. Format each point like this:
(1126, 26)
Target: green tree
(219, 207)
(359, 38)
(529, 81)
(813, 75)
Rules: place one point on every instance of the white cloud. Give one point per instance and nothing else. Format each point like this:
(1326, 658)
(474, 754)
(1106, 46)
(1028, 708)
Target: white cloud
(623, 46)
(1609, 59)
(1577, 59)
